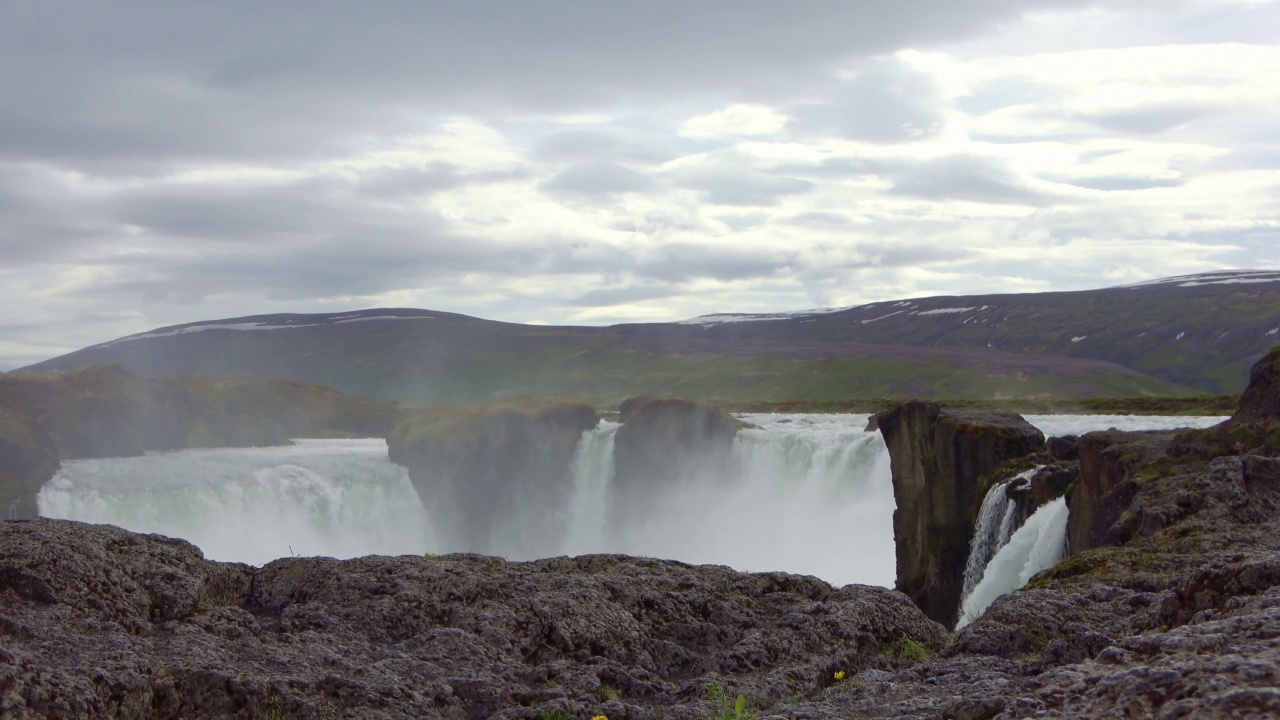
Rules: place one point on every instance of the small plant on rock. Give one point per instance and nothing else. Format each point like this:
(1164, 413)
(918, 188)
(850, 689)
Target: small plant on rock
(720, 707)
(907, 649)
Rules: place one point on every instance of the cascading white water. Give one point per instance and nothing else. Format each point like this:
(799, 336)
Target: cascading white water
(809, 493)
(996, 523)
(591, 472)
(1038, 545)
(318, 497)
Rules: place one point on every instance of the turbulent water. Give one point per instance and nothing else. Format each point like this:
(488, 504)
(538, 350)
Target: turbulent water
(340, 498)
(808, 493)
(997, 521)
(1038, 545)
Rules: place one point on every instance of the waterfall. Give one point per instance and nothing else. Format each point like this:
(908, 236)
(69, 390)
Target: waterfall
(997, 521)
(319, 497)
(591, 472)
(805, 493)
(1038, 545)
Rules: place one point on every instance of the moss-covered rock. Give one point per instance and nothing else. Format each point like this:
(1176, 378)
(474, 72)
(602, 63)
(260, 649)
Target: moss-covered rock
(939, 458)
(110, 412)
(28, 459)
(494, 477)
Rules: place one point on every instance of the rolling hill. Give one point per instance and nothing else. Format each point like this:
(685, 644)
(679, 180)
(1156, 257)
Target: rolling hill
(1179, 336)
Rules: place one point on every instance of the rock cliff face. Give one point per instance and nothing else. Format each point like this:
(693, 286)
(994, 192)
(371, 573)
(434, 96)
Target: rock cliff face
(99, 622)
(938, 457)
(1261, 399)
(109, 412)
(664, 443)
(28, 459)
(495, 478)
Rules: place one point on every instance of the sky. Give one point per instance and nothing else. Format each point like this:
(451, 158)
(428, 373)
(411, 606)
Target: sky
(596, 162)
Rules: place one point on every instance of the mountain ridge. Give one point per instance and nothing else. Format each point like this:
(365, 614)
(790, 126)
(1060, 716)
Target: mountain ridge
(1195, 333)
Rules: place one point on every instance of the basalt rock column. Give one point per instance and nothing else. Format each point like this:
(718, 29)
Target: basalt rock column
(938, 456)
(494, 477)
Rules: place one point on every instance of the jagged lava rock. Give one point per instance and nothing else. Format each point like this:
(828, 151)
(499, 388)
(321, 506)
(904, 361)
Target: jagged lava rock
(479, 468)
(101, 622)
(938, 457)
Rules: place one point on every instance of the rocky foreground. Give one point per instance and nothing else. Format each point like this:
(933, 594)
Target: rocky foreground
(99, 622)
(1168, 607)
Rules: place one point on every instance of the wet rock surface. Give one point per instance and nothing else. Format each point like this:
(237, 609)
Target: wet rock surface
(100, 622)
(494, 476)
(938, 458)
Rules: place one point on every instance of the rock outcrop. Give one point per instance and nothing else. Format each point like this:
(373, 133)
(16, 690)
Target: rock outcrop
(1261, 399)
(100, 622)
(494, 477)
(109, 412)
(28, 459)
(938, 458)
(666, 443)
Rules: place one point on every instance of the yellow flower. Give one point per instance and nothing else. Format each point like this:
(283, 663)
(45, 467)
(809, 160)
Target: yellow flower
(839, 675)
(600, 717)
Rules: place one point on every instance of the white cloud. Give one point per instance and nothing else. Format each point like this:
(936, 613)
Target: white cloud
(734, 121)
(1085, 148)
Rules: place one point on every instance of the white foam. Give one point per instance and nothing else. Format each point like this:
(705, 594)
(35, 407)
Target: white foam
(1038, 545)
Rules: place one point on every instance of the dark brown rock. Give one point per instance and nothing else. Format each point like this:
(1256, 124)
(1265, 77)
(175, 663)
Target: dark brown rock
(28, 459)
(938, 457)
(1052, 482)
(100, 622)
(1063, 449)
(109, 412)
(1261, 399)
(1109, 460)
(494, 476)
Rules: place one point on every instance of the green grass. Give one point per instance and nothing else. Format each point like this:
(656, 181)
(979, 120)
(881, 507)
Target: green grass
(1202, 405)
(907, 649)
(604, 378)
(721, 707)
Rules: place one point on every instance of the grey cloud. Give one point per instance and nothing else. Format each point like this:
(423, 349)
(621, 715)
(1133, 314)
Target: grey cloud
(411, 181)
(43, 218)
(954, 177)
(1151, 119)
(1125, 183)
(123, 80)
(833, 168)
(888, 101)
(609, 297)
(964, 177)
(727, 180)
(744, 221)
(594, 145)
(595, 179)
(681, 262)
(818, 219)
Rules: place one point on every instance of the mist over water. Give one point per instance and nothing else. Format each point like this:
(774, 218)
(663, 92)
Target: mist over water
(340, 498)
(805, 493)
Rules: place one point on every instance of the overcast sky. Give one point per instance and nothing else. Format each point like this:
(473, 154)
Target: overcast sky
(598, 162)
